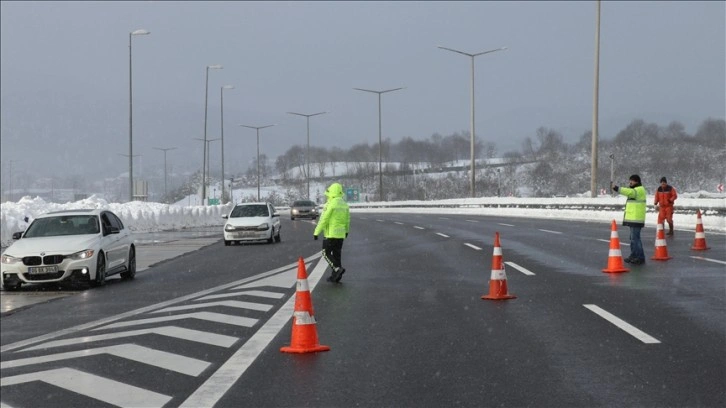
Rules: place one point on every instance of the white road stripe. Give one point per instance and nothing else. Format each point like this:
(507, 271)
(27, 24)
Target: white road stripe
(506, 225)
(551, 232)
(443, 218)
(100, 388)
(471, 221)
(220, 382)
(169, 361)
(622, 324)
(228, 303)
(399, 223)
(198, 336)
(708, 259)
(209, 316)
(417, 227)
(259, 293)
(4, 405)
(608, 241)
(520, 268)
(472, 246)
(443, 235)
(380, 220)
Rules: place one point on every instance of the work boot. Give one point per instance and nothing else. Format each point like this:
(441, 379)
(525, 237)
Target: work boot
(670, 230)
(341, 271)
(335, 275)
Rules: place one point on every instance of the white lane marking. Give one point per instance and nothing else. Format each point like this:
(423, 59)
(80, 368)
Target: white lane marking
(145, 309)
(551, 232)
(228, 303)
(520, 268)
(623, 325)
(100, 388)
(169, 361)
(4, 405)
(471, 220)
(283, 280)
(417, 227)
(259, 293)
(399, 223)
(443, 235)
(380, 220)
(708, 259)
(222, 380)
(443, 218)
(608, 241)
(198, 336)
(506, 225)
(472, 246)
(209, 316)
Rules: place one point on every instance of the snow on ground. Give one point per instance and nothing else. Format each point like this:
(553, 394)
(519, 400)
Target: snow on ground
(151, 217)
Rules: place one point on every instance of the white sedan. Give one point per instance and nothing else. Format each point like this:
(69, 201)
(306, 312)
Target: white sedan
(69, 246)
(252, 222)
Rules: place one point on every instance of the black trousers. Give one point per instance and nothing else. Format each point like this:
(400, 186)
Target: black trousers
(333, 251)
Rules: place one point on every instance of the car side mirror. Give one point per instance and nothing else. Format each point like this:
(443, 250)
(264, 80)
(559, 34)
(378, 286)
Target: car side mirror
(224, 216)
(275, 214)
(113, 230)
(17, 235)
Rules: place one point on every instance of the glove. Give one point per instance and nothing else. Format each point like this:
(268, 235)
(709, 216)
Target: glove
(615, 188)
(315, 237)
(346, 235)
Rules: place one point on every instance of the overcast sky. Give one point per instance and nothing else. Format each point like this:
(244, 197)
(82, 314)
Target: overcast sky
(65, 79)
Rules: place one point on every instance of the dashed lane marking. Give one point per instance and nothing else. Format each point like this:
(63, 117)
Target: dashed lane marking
(399, 223)
(417, 227)
(471, 220)
(623, 325)
(472, 246)
(442, 235)
(551, 232)
(708, 259)
(520, 268)
(506, 225)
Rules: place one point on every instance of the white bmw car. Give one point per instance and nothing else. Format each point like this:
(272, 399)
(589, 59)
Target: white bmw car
(252, 222)
(82, 246)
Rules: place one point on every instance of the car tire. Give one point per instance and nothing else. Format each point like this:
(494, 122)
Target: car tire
(100, 271)
(227, 243)
(292, 218)
(278, 238)
(130, 271)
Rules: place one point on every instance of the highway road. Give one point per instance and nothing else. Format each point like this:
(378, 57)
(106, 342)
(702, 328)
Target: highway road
(406, 327)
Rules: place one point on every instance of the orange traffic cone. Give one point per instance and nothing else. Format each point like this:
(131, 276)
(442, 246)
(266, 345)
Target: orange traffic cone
(699, 243)
(498, 282)
(661, 250)
(304, 330)
(615, 257)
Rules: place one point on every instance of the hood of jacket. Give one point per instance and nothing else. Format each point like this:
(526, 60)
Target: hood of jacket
(334, 191)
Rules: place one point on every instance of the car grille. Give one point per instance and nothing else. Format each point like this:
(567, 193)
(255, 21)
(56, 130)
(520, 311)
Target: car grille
(246, 229)
(44, 276)
(46, 260)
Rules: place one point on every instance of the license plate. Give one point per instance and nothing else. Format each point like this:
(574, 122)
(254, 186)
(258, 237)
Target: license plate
(246, 234)
(40, 270)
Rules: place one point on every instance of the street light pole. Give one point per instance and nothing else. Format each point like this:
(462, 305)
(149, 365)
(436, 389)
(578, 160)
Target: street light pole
(307, 152)
(258, 154)
(165, 150)
(596, 86)
(131, 121)
(472, 186)
(380, 138)
(204, 156)
(221, 128)
(499, 182)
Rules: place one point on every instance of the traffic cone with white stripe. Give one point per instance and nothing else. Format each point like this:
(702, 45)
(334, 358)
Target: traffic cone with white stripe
(615, 257)
(661, 249)
(304, 329)
(699, 243)
(498, 282)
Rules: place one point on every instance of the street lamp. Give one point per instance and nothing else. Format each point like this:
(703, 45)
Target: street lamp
(499, 182)
(206, 159)
(472, 187)
(164, 150)
(131, 121)
(380, 141)
(596, 80)
(204, 156)
(258, 154)
(221, 128)
(307, 152)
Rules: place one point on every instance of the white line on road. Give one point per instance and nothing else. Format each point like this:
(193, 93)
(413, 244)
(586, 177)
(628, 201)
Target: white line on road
(228, 303)
(472, 246)
(708, 259)
(381, 220)
(198, 336)
(399, 223)
(622, 324)
(608, 241)
(100, 388)
(169, 361)
(209, 316)
(551, 232)
(443, 218)
(471, 220)
(520, 268)
(443, 235)
(259, 293)
(506, 225)
(417, 227)
(220, 382)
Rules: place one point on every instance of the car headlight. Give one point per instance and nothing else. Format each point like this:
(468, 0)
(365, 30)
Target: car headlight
(9, 260)
(263, 227)
(229, 227)
(85, 254)
(294, 211)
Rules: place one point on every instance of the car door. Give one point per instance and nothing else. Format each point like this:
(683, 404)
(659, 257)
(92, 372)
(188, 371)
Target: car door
(124, 240)
(110, 242)
(275, 218)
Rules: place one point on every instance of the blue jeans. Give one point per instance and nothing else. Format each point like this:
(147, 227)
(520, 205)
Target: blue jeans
(636, 245)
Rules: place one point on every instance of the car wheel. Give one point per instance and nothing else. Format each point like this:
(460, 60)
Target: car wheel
(278, 238)
(292, 218)
(100, 271)
(227, 243)
(130, 272)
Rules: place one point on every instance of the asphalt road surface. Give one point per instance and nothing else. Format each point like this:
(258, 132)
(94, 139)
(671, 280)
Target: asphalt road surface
(406, 327)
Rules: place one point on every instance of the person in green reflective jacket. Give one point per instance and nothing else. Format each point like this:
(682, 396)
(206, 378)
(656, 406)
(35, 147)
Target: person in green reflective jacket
(634, 216)
(334, 223)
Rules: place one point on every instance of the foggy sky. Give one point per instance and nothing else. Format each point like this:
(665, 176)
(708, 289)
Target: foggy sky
(65, 80)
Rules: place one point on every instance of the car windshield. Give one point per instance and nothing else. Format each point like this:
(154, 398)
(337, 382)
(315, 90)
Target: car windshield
(63, 225)
(254, 210)
(303, 204)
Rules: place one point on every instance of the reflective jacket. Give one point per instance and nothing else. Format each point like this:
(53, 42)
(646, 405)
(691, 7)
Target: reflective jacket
(635, 206)
(335, 220)
(665, 196)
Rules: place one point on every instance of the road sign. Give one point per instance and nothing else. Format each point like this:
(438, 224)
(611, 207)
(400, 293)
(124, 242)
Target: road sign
(212, 201)
(352, 195)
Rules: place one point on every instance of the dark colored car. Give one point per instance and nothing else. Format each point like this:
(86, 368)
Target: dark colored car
(304, 209)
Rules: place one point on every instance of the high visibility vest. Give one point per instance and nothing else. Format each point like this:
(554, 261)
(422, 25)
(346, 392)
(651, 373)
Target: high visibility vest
(335, 220)
(635, 206)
